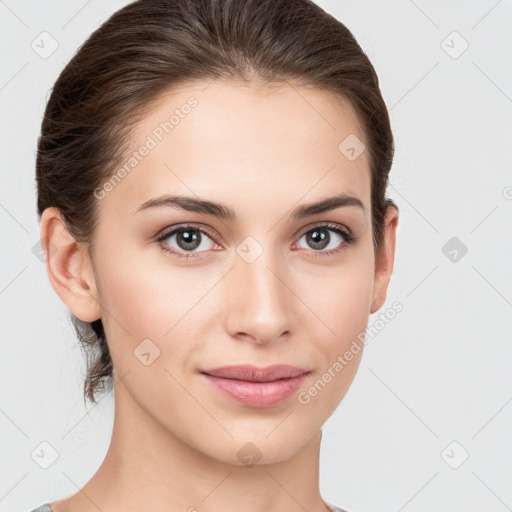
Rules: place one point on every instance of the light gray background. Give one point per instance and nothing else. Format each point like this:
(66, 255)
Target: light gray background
(440, 372)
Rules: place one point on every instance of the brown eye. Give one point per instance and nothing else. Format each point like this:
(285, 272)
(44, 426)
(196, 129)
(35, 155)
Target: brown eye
(186, 239)
(326, 238)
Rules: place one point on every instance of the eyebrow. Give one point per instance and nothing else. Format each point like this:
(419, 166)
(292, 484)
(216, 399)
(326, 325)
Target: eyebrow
(223, 212)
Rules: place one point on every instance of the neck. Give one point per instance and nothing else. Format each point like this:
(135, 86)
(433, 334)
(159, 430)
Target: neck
(148, 468)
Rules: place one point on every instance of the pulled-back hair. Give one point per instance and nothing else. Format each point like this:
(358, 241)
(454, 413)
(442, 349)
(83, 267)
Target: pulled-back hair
(152, 46)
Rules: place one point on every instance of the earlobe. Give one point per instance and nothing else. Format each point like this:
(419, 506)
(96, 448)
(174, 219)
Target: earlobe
(69, 267)
(385, 260)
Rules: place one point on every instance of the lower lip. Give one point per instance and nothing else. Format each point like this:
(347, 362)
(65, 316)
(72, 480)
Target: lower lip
(257, 394)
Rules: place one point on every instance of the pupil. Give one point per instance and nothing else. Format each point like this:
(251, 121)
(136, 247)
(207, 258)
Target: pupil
(188, 239)
(319, 238)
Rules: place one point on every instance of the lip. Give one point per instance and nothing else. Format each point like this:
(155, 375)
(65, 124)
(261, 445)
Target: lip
(256, 386)
(253, 373)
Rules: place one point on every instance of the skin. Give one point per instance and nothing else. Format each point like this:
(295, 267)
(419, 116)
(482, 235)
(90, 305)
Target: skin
(261, 151)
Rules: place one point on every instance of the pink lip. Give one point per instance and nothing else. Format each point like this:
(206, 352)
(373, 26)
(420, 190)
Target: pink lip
(257, 387)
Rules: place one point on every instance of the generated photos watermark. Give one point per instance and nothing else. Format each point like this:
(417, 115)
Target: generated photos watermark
(342, 360)
(152, 140)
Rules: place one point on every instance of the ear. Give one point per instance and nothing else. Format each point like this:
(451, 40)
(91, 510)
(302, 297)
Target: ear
(385, 260)
(69, 267)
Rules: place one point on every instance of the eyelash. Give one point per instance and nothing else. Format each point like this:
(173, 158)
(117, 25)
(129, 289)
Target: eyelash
(348, 238)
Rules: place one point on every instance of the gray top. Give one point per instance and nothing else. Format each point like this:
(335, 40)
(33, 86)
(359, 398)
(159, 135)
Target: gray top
(46, 508)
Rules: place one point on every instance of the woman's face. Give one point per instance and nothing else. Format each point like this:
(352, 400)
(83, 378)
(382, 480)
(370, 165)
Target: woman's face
(262, 285)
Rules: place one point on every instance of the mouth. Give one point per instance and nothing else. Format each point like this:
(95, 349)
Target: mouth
(254, 386)
(252, 373)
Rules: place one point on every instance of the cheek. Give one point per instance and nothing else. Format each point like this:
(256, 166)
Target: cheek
(350, 305)
(142, 301)
(344, 310)
(342, 299)
(129, 294)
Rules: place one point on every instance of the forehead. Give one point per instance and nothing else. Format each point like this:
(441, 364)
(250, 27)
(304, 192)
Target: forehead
(254, 143)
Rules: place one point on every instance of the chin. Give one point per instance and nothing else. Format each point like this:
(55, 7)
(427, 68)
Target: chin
(254, 450)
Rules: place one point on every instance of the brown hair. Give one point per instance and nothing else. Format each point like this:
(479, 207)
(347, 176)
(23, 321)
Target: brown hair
(151, 46)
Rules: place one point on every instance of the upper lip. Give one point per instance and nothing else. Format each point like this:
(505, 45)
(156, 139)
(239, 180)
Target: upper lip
(252, 373)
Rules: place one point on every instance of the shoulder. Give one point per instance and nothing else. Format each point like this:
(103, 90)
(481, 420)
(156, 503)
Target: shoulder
(43, 508)
(46, 508)
(333, 508)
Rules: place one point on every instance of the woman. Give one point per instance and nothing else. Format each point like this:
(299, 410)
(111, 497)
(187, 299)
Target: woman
(211, 189)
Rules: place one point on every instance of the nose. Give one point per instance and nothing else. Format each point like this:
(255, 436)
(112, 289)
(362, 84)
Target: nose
(260, 303)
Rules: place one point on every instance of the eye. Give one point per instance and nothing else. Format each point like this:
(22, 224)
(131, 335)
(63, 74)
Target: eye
(191, 239)
(319, 238)
(188, 239)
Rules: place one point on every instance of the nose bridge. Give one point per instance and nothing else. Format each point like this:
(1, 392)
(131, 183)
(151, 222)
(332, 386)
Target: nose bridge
(259, 300)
